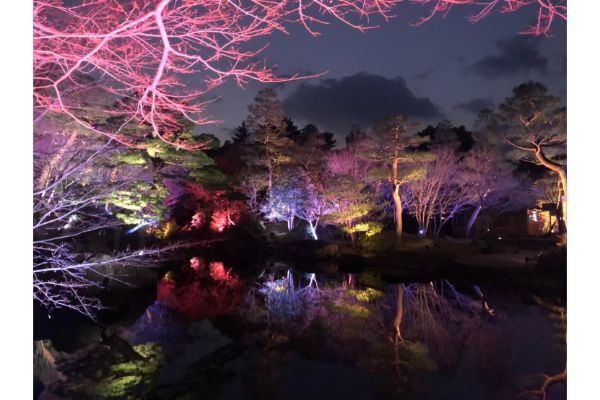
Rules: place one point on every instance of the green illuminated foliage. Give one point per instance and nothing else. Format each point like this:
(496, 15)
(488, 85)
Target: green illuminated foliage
(166, 230)
(353, 310)
(367, 295)
(352, 201)
(142, 202)
(369, 228)
(415, 355)
(209, 176)
(134, 379)
(130, 158)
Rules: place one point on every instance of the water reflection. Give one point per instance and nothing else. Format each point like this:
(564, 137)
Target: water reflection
(201, 290)
(296, 335)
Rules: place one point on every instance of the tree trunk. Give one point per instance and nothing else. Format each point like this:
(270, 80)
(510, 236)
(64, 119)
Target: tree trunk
(472, 219)
(562, 174)
(351, 233)
(398, 210)
(563, 182)
(441, 224)
(399, 312)
(313, 229)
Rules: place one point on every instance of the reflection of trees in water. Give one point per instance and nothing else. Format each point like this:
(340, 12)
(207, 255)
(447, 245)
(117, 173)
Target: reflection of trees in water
(434, 321)
(284, 303)
(440, 316)
(558, 313)
(396, 339)
(435, 314)
(202, 290)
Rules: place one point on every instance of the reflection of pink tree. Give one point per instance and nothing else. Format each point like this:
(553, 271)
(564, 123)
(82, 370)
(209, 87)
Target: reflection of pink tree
(213, 290)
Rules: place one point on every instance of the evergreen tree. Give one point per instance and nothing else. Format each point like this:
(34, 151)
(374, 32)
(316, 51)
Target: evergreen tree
(532, 124)
(393, 153)
(241, 135)
(270, 139)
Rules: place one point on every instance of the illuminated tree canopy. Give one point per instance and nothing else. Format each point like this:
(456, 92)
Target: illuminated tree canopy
(143, 53)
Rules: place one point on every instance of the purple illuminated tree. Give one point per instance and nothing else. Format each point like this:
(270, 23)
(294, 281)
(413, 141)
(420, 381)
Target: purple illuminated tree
(286, 200)
(346, 189)
(315, 207)
(437, 197)
(76, 177)
(492, 187)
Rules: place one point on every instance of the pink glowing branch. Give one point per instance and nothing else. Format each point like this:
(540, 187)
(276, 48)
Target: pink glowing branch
(548, 11)
(136, 54)
(153, 62)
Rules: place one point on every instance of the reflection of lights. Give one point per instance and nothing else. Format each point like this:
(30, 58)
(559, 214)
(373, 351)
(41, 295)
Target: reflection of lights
(280, 288)
(499, 237)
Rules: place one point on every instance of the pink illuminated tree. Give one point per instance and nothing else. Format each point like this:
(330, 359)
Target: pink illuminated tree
(133, 72)
(143, 54)
(139, 52)
(548, 11)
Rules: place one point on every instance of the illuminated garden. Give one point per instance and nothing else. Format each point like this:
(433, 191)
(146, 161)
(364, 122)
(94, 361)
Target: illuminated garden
(248, 199)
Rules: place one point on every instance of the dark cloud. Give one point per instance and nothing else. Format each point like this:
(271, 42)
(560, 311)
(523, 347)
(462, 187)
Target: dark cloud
(421, 76)
(358, 99)
(517, 55)
(476, 105)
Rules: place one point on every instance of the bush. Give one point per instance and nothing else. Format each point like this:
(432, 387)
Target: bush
(379, 242)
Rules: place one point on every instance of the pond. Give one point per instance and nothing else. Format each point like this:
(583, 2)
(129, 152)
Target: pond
(213, 332)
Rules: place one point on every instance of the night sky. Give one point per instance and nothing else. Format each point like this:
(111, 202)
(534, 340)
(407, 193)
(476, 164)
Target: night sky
(448, 68)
